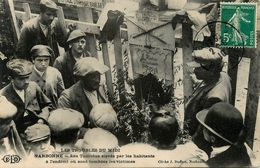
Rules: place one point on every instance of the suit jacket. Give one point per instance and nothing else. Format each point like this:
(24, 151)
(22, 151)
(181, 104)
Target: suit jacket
(232, 157)
(51, 83)
(204, 97)
(32, 34)
(36, 103)
(65, 64)
(75, 98)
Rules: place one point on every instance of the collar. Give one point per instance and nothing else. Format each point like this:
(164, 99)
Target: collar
(76, 59)
(218, 150)
(17, 90)
(43, 26)
(90, 92)
(39, 72)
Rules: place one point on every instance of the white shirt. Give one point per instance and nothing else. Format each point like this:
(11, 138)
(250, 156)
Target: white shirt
(78, 58)
(39, 72)
(44, 29)
(92, 96)
(19, 92)
(218, 150)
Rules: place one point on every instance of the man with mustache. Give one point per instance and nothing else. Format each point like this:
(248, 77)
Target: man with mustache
(77, 49)
(87, 92)
(41, 30)
(32, 104)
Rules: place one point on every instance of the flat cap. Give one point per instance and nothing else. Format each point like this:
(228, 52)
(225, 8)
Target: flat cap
(65, 119)
(49, 4)
(7, 110)
(104, 116)
(20, 67)
(37, 132)
(75, 34)
(207, 56)
(41, 51)
(99, 138)
(88, 65)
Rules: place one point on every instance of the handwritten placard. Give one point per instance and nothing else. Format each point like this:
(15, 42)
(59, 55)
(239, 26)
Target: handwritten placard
(152, 60)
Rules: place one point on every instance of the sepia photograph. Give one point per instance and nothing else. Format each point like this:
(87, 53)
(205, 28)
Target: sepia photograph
(129, 83)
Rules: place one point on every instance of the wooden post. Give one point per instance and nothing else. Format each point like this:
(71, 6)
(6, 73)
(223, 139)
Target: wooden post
(108, 74)
(187, 57)
(233, 59)
(253, 93)
(27, 10)
(16, 30)
(119, 65)
(85, 15)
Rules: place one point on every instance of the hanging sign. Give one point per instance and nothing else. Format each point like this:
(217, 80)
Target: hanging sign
(152, 60)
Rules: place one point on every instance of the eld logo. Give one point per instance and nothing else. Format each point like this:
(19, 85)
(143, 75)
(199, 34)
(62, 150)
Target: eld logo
(11, 159)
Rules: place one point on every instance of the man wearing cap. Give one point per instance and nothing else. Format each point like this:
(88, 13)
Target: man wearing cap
(41, 30)
(65, 125)
(223, 128)
(215, 86)
(87, 92)
(38, 139)
(98, 138)
(103, 116)
(77, 49)
(48, 78)
(32, 104)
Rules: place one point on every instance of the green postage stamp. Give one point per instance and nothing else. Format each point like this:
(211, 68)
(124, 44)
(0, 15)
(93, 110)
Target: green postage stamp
(238, 24)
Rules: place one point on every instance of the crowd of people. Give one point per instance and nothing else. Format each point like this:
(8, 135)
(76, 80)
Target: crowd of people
(57, 101)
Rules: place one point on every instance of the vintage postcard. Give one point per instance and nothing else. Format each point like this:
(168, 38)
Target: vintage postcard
(129, 83)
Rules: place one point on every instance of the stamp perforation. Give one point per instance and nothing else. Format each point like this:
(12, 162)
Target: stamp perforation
(255, 21)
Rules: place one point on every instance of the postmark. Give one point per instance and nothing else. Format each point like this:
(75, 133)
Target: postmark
(243, 17)
(215, 40)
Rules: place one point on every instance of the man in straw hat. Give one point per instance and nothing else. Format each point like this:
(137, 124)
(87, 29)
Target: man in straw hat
(87, 92)
(41, 30)
(223, 128)
(32, 104)
(77, 49)
(48, 78)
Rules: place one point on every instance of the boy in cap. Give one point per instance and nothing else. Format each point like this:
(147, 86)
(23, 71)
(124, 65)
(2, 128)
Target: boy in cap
(38, 139)
(77, 49)
(87, 92)
(41, 30)
(65, 125)
(32, 104)
(48, 78)
(223, 128)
